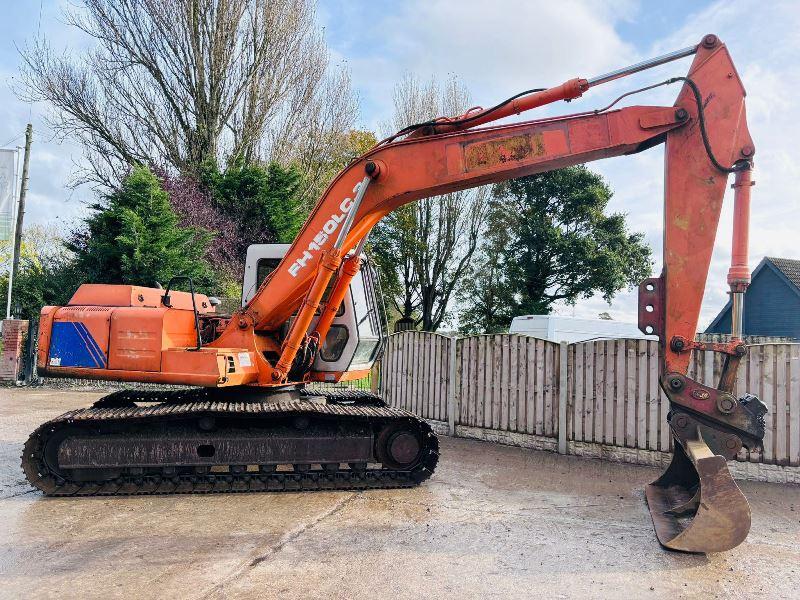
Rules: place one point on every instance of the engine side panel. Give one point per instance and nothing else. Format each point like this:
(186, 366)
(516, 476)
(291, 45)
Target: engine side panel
(139, 335)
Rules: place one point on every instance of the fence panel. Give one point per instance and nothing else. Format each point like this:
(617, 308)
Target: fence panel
(511, 383)
(613, 396)
(415, 373)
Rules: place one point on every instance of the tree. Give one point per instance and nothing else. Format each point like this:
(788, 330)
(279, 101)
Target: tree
(264, 201)
(549, 242)
(47, 274)
(391, 246)
(195, 207)
(133, 237)
(245, 204)
(174, 85)
(486, 298)
(348, 146)
(424, 249)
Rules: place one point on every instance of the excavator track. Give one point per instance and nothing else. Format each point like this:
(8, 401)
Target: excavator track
(190, 441)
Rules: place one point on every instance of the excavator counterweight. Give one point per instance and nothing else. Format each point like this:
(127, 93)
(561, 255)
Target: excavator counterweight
(310, 313)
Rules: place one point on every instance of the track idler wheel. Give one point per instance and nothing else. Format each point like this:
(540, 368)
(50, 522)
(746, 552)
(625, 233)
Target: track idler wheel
(398, 447)
(696, 505)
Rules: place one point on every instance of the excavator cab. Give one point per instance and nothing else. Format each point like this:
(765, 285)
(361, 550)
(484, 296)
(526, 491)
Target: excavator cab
(357, 334)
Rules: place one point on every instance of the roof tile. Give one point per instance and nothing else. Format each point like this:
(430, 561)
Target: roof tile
(789, 267)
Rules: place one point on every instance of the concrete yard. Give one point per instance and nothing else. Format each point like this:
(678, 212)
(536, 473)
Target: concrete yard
(494, 521)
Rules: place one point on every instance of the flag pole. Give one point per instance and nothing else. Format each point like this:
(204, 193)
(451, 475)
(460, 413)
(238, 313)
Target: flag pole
(11, 234)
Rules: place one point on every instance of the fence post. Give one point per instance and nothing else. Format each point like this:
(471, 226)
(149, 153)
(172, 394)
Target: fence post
(375, 377)
(708, 369)
(451, 390)
(563, 376)
(31, 343)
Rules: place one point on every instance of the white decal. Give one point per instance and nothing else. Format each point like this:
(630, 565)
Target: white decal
(55, 361)
(244, 359)
(319, 240)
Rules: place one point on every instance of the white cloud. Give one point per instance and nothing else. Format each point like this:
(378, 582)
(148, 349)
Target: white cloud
(497, 48)
(500, 48)
(507, 42)
(53, 161)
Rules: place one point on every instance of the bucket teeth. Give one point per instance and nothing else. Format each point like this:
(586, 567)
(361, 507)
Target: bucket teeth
(756, 408)
(696, 505)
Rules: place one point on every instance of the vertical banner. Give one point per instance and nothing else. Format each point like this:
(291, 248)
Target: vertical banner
(7, 188)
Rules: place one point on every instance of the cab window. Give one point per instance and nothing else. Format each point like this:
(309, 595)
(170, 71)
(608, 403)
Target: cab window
(367, 322)
(335, 342)
(264, 267)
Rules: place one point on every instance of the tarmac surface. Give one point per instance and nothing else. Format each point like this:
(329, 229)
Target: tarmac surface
(493, 522)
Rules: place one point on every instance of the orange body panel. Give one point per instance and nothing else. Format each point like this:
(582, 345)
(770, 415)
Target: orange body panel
(129, 336)
(98, 294)
(45, 327)
(211, 366)
(140, 335)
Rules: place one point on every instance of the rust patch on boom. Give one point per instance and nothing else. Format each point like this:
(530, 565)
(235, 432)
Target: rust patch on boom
(484, 155)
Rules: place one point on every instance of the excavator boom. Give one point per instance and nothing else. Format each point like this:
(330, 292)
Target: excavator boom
(270, 343)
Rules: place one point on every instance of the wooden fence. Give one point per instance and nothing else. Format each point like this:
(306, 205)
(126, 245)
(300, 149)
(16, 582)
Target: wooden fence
(600, 392)
(415, 373)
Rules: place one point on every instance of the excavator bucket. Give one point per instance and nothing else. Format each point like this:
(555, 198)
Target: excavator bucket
(696, 505)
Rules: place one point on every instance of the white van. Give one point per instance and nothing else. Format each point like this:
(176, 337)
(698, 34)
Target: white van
(556, 328)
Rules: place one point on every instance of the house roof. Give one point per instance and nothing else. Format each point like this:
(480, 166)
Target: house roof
(788, 269)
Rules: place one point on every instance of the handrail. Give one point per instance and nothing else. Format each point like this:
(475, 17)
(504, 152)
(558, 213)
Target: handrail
(165, 300)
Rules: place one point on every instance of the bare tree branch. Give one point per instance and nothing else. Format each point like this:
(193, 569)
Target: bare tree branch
(440, 234)
(176, 83)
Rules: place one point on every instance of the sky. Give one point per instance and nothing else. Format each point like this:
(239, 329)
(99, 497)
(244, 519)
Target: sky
(497, 49)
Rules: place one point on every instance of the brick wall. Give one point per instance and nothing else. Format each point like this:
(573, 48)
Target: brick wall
(14, 331)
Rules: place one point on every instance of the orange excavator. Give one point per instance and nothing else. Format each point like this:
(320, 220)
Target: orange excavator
(251, 422)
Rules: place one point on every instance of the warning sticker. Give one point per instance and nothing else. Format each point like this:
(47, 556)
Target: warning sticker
(55, 361)
(244, 359)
